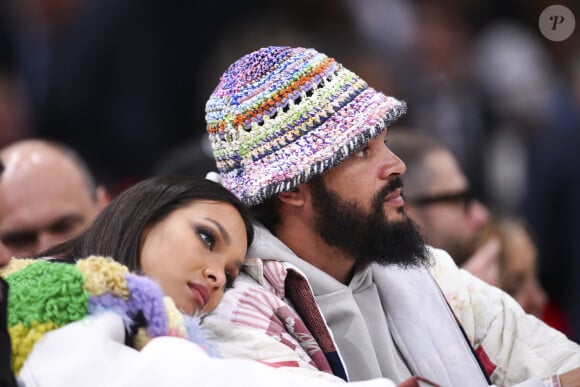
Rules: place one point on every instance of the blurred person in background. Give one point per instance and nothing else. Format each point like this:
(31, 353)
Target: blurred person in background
(47, 195)
(439, 199)
(518, 274)
(532, 147)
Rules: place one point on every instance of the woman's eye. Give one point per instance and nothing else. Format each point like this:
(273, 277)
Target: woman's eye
(206, 237)
(229, 281)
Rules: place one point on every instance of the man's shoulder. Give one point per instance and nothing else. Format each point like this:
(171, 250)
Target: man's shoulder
(258, 289)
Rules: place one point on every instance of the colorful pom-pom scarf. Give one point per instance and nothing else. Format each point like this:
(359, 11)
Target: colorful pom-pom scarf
(45, 295)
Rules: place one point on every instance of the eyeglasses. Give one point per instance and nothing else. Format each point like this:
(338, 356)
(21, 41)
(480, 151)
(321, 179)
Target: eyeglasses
(464, 198)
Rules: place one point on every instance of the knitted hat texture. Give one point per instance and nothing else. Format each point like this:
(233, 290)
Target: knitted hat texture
(281, 115)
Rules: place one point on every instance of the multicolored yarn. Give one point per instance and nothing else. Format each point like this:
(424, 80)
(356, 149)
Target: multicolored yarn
(281, 115)
(46, 295)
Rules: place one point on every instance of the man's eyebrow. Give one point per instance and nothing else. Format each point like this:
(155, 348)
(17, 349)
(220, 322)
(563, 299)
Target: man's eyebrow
(222, 230)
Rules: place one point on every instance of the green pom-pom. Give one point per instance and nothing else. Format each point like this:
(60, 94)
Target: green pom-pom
(46, 292)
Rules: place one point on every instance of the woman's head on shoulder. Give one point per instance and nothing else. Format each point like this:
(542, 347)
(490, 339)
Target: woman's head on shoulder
(189, 234)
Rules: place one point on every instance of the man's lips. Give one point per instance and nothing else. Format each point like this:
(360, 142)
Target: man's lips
(395, 197)
(200, 292)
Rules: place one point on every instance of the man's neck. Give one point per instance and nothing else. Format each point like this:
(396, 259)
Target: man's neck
(305, 242)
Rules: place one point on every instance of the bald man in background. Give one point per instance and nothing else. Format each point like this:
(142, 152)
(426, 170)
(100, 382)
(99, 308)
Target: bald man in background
(47, 195)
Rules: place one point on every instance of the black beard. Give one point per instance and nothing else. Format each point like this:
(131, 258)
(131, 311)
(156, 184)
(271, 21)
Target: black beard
(367, 237)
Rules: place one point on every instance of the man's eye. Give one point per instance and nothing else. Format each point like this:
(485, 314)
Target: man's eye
(19, 240)
(361, 152)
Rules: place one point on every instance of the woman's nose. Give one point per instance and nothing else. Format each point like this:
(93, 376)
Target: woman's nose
(216, 277)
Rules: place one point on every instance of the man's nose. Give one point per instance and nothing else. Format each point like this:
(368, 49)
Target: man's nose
(391, 165)
(478, 213)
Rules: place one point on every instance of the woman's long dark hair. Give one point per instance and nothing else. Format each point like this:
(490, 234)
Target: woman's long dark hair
(117, 230)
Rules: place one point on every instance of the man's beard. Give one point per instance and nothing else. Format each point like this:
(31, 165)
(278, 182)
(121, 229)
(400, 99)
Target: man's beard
(367, 237)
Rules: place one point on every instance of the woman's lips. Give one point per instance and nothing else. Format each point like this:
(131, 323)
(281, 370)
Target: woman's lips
(200, 292)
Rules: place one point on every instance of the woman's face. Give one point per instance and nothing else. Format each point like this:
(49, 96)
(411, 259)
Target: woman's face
(519, 271)
(195, 253)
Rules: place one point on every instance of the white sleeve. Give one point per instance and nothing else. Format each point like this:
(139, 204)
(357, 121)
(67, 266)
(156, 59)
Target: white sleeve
(84, 353)
(516, 347)
(91, 353)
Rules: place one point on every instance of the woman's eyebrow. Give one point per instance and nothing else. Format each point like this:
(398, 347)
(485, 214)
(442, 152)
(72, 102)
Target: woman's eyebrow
(221, 229)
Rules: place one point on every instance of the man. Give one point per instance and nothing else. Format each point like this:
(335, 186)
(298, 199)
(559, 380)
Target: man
(439, 200)
(302, 140)
(47, 195)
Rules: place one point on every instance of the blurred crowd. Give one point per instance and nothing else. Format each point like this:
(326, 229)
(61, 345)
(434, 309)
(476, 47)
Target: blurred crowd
(124, 83)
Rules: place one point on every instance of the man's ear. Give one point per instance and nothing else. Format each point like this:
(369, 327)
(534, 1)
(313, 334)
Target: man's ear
(294, 197)
(103, 197)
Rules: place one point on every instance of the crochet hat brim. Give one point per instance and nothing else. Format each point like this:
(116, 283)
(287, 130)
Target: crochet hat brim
(315, 152)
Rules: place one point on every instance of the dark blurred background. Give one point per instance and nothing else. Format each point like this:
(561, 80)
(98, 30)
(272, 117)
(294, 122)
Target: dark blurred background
(125, 83)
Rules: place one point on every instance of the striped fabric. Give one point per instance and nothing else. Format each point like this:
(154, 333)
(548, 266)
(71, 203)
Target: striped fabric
(281, 115)
(265, 309)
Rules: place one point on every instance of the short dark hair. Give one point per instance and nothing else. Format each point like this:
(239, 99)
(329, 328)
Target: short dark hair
(117, 230)
(268, 212)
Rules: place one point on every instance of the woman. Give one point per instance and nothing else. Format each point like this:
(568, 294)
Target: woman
(518, 269)
(185, 237)
(189, 234)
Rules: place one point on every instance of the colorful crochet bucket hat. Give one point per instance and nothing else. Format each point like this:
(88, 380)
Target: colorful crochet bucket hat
(281, 115)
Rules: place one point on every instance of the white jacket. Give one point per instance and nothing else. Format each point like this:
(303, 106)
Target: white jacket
(514, 348)
(91, 353)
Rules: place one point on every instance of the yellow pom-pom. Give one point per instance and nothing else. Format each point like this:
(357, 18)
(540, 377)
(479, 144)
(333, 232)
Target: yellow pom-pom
(102, 275)
(174, 319)
(15, 264)
(23, 339)
(141, 339)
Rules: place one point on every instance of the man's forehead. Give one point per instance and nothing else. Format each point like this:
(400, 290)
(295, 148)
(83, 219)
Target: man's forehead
(44, 181)
(28, 159)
